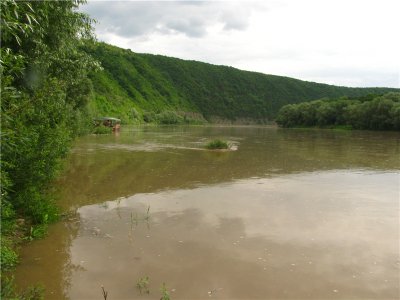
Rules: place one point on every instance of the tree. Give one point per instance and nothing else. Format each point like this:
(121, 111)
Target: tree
(326, 114)
(44, 93)
(370, 112)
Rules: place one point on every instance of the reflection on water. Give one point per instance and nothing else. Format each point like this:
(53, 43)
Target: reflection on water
(145, 160)
(294, 214)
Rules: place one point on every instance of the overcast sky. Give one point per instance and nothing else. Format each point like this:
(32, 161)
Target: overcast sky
(342, 42)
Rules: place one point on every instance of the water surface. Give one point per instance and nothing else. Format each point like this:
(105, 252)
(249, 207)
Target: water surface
(290, 214)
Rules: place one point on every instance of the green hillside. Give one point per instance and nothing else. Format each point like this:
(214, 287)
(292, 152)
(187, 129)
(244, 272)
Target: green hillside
(134, 86)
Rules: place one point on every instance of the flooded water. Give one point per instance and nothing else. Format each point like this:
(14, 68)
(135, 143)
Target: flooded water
(287, 214)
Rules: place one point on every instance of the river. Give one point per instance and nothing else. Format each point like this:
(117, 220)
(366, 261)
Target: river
(286, 214)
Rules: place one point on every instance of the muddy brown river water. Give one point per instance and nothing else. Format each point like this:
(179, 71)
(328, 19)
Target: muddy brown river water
(287, 214)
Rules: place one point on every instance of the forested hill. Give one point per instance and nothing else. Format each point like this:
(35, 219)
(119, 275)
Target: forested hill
(134, 85)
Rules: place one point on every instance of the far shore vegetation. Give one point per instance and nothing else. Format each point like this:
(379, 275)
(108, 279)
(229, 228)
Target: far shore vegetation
(101, 129)
(157, 89)
(372, 112)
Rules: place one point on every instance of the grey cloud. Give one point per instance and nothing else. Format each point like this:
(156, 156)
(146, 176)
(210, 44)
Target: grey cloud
(236, 24)
(191, 27)
(192, 18)
(233, 20)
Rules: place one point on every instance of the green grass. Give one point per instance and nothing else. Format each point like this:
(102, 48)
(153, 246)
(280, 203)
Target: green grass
(217, 144)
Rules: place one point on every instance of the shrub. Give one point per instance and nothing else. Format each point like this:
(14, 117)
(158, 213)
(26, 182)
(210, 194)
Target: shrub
(169, 118)
(217, 144)
(149, 116)
(102, 130)
(135, 114)
(9, 258)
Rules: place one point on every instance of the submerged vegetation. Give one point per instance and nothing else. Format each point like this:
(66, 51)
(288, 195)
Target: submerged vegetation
(373, 112)
(217, 144)
(135, 219)
(143, 286)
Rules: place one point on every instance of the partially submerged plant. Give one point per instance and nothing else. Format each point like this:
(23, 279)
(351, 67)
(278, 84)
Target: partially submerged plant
(164, 291)
(37, 232)
(147, 217)
(105, 293)
(217, 144)
(135, 218)
(9, 290)
(143, 285)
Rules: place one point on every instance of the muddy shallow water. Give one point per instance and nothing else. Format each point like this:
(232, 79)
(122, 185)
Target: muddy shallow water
(295, 214)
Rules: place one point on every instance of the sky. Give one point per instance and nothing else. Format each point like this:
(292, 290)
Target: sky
(341, 42)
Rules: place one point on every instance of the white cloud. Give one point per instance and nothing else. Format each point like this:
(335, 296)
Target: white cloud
(352, 43)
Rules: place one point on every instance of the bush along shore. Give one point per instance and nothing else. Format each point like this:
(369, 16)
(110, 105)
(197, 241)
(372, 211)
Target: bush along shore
(45, 92)
(372, 112)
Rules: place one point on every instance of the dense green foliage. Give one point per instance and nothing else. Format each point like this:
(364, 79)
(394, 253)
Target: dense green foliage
(101, 129)
(135, 86)
(371, 112)
(45, 91)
